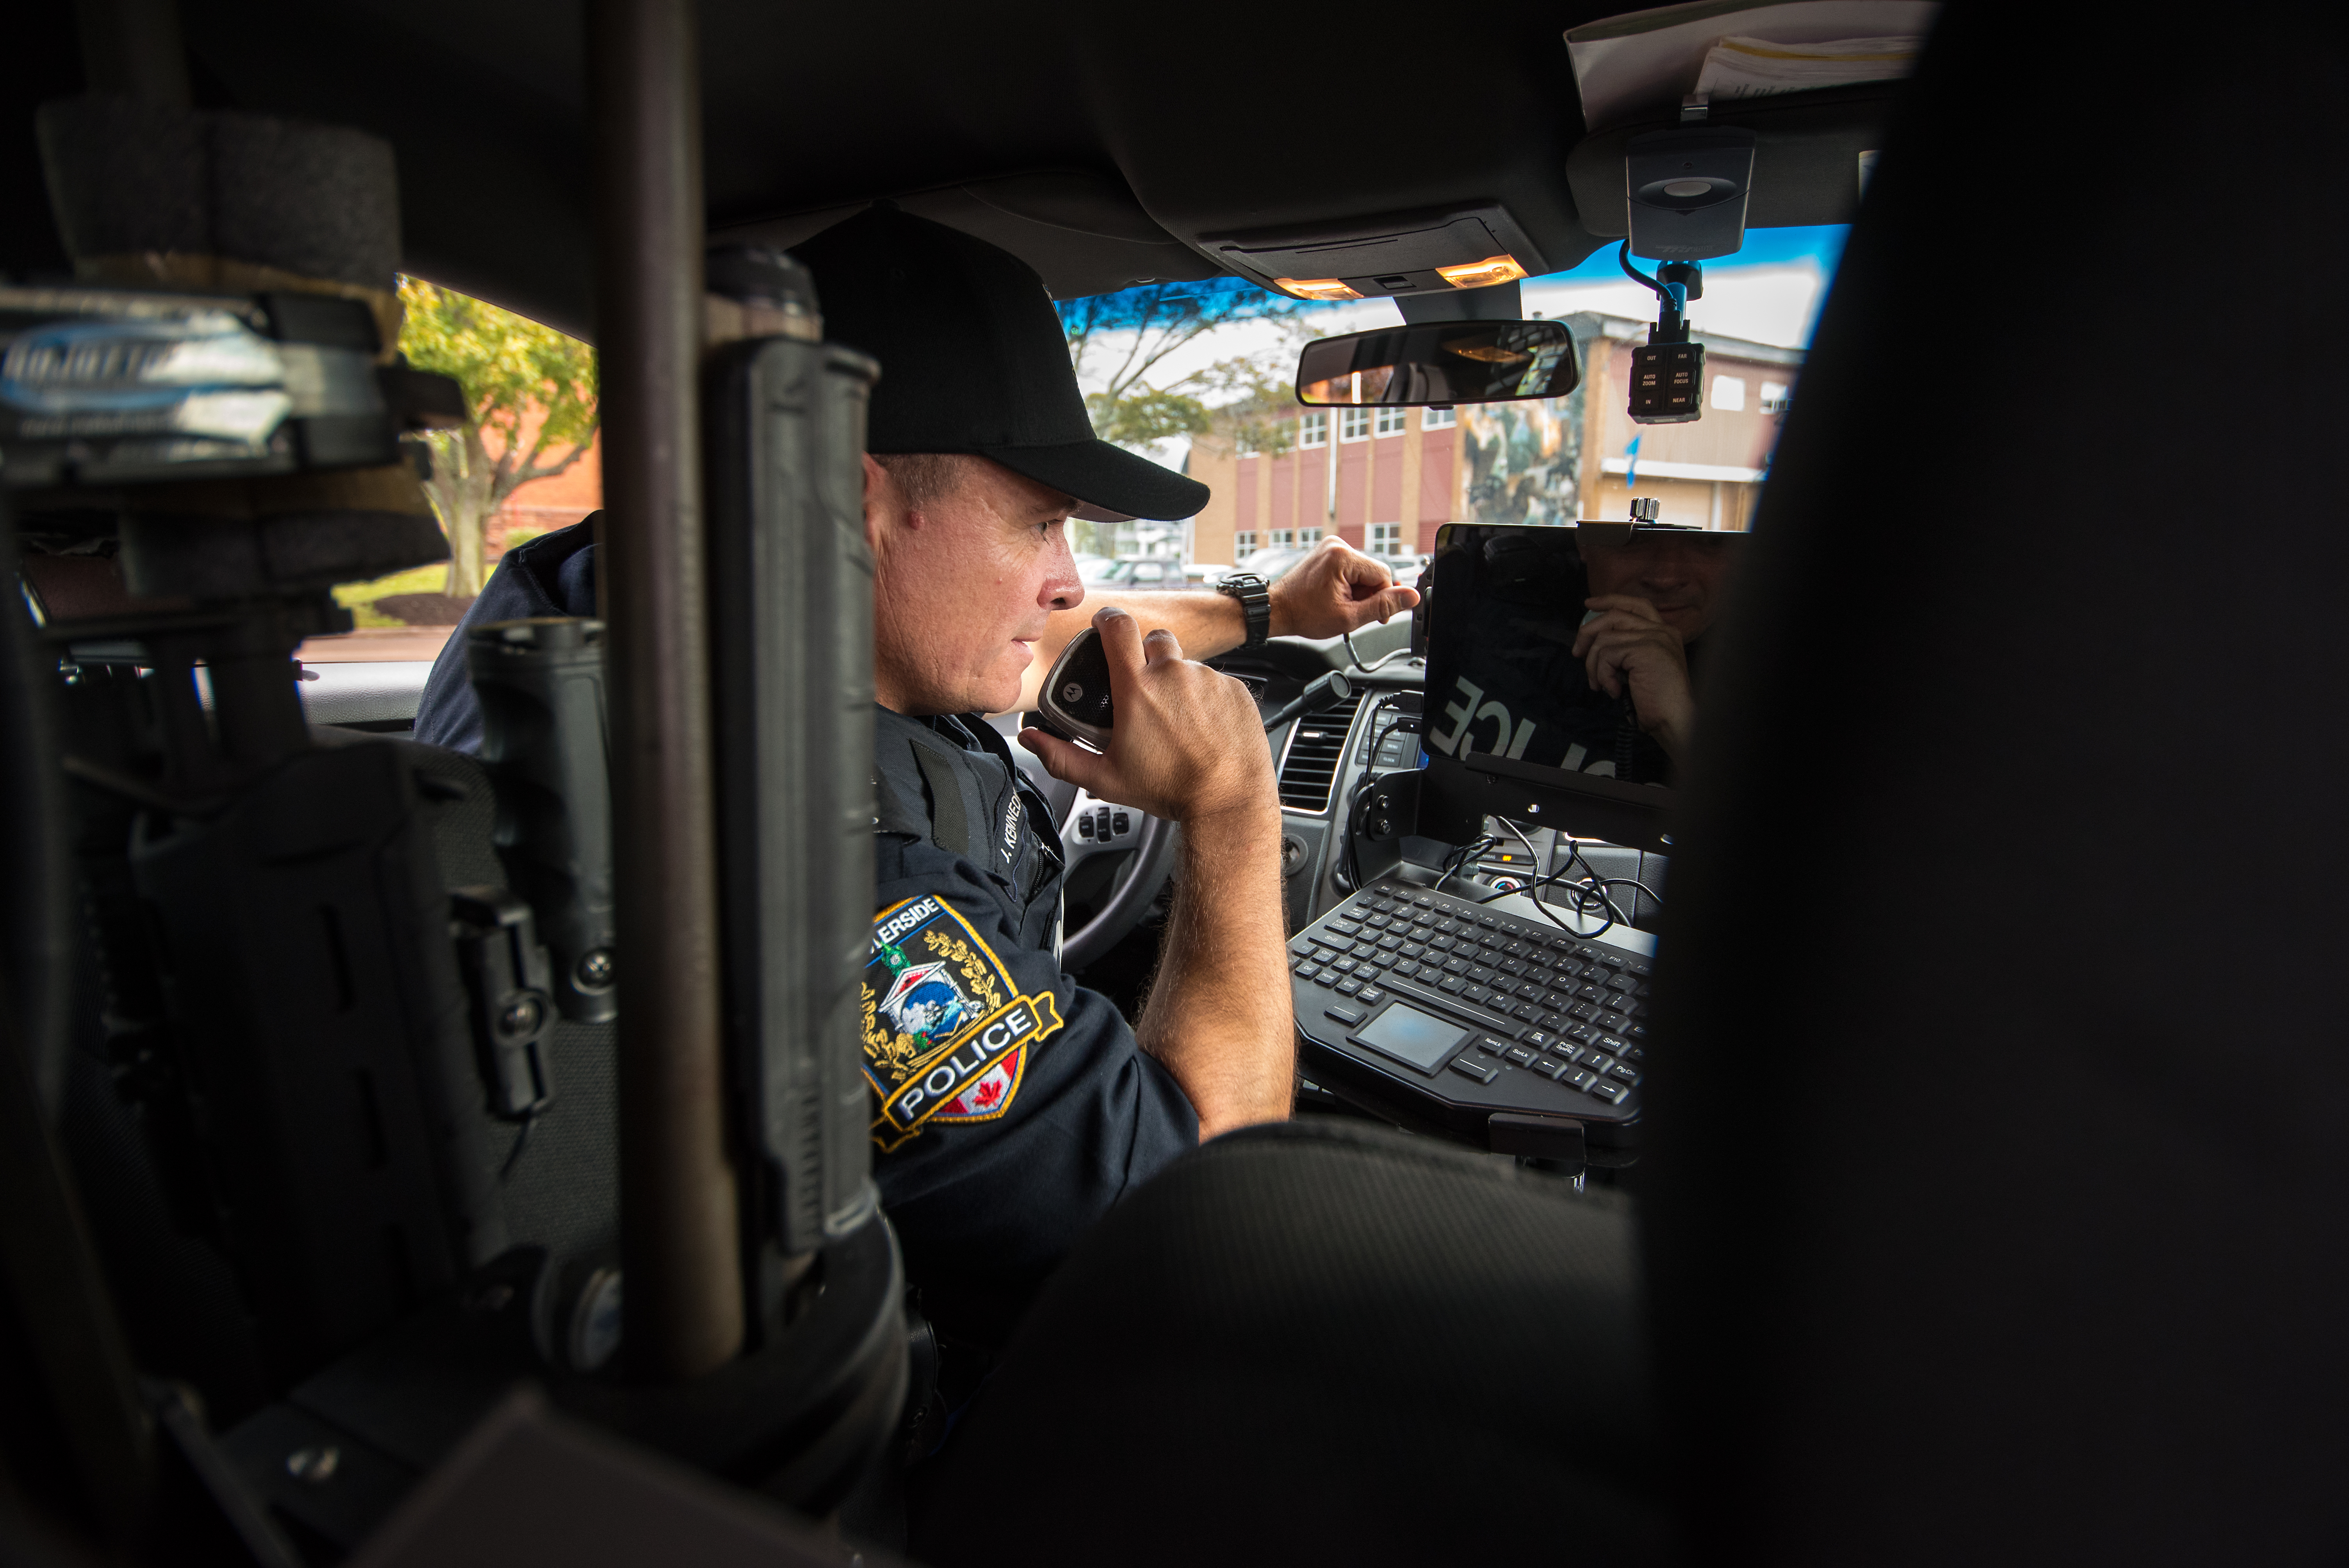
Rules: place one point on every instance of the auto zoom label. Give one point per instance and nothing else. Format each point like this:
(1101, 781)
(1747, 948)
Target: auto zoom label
(946, 1031)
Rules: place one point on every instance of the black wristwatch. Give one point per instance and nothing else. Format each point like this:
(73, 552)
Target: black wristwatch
(1255, 595)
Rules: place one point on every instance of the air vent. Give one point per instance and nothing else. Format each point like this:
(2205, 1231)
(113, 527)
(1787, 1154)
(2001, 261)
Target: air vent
(1315, 748)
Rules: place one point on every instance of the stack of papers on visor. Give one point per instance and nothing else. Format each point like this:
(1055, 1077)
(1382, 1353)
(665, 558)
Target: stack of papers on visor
(1755, 67)
(1640, 66)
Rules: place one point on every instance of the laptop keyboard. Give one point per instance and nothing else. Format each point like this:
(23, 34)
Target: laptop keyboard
(1549, 1022)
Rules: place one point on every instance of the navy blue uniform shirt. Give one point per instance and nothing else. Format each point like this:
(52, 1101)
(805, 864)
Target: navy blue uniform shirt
(1011, 1107)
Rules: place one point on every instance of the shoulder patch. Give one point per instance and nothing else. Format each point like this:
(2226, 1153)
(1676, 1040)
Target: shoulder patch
(946, 1031)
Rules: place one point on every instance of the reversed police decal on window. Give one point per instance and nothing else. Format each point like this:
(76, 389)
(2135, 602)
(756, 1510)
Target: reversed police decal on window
(946, 1031)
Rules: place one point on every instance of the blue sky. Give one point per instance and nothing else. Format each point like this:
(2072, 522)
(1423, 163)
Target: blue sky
(1821, 246)
(1769, 292)
(1763, 248)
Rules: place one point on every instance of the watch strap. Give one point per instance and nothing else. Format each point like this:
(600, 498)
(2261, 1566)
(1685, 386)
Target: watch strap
(1255, 596)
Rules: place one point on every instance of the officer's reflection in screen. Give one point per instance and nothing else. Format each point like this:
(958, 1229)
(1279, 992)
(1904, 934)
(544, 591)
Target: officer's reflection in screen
(1575, 648)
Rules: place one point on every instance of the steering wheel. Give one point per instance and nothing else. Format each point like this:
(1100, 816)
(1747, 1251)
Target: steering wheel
(1138, 883)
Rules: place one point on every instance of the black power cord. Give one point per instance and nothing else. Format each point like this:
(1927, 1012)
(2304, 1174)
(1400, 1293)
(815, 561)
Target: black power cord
(1384, 659)
(1457, 860)
(1588, 897)
(521, 1142)
(1623, 260)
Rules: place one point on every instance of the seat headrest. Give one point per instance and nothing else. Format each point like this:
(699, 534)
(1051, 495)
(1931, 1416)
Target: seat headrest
(1999, 1168)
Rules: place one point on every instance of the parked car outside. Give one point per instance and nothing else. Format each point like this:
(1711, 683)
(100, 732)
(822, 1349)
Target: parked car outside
(1142, 571)
(1273, 560)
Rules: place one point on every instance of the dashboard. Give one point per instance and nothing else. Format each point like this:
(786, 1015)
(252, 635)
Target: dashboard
(1321, 758)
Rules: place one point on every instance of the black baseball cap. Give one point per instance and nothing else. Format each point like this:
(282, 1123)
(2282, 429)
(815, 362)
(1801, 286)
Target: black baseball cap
(973, 359)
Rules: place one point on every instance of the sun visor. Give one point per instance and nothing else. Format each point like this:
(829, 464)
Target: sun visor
(1810, 81)
(1368, 258)
(1641, 67)
(1809, 157)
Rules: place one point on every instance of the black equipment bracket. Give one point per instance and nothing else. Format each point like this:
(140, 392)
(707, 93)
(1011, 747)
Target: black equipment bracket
(1393, 809)
(505, 972)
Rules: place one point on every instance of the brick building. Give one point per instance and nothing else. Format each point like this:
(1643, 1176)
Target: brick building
(1384, 479)
(545, 505)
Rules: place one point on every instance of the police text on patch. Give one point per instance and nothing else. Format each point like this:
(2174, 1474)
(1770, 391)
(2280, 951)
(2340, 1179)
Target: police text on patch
(940, 1081)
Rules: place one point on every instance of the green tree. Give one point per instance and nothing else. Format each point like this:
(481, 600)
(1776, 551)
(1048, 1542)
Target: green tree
(1125, 338)
(533, 394)
(1258, 410)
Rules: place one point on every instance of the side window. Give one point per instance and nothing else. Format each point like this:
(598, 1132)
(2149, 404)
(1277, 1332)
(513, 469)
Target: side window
(1313, 430)
(1438, 418)
(1728, 393)
(1390, 421)
(1353, 424)
(532, 421)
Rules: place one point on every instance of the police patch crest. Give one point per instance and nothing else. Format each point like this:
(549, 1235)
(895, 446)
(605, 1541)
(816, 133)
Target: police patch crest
(946, 1031)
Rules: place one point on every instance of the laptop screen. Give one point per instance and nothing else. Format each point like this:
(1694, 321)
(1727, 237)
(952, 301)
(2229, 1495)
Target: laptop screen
(1578, 652)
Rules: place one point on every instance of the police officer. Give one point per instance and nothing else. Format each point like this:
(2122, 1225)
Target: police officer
(1012, 1107)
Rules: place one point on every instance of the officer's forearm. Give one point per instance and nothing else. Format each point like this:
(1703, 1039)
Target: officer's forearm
(1219, 1017)
(1204, 623)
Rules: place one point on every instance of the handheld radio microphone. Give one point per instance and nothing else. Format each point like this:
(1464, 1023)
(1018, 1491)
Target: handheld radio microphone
(1075, 700)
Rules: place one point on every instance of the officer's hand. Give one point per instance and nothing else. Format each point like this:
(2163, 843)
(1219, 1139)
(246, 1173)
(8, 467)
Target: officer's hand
(1187, 742)
(1628, 643)
(1336, 588)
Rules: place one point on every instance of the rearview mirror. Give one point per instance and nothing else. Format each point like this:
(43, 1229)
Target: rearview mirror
(1440, 362)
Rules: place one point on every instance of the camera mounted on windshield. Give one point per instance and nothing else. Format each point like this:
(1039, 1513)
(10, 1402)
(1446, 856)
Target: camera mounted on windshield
(1668, 370)
(1684, 201)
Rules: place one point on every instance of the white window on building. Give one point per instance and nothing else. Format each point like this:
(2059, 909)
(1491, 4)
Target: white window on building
(1242, 542)
(1728, 393)
(1282, 537)
(1390, 422)
(1386, 539)
(1438, 418)
(1776, 398)
(1313, 430)
(1353, 424)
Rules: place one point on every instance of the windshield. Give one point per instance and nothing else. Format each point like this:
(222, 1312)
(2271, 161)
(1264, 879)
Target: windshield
(1385, 480)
